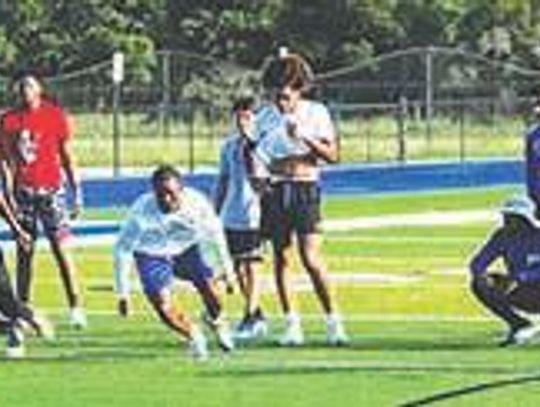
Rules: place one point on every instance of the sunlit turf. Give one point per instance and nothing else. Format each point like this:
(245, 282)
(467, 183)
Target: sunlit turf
(418, 334)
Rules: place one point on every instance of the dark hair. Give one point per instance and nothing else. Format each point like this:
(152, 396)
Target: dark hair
(164, 172)
(290, 70)
(243, 103)
(22, 75)
(18, 80)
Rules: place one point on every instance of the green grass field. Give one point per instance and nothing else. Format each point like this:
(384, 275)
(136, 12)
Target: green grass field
(418, 337)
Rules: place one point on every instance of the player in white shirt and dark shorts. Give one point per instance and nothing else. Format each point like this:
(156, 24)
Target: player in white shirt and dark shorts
(240, 182)
(174, 233)
(294, 135)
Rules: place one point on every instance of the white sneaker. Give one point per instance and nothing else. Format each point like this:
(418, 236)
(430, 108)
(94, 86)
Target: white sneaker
(260, 328)
(250, 329)
(527, 335)
(15, 344)
(335, 332)
(44, 328)
(224, 336)
(221, 328)
(77, 318)
(293, 335)
(197, 346)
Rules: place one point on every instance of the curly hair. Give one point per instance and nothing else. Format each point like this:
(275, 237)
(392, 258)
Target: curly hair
(289, 70)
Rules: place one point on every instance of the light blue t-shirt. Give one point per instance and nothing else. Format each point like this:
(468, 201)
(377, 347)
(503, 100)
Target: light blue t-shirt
(241, 208)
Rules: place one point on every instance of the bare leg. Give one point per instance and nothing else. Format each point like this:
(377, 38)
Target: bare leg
(253, 284)
(309, 248)
(68, 272)
(177, 320)
(283, 284)
(217, 322)
(248, 279)
(209, 295)
(24, 271)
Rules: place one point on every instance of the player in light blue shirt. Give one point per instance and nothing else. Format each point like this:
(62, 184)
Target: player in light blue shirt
(238, 201)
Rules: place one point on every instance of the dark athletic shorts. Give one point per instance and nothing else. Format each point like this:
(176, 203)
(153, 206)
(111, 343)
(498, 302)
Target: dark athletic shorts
(291, 206)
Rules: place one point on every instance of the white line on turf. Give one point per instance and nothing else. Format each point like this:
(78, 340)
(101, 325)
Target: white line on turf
(428, 218)
(358, 317)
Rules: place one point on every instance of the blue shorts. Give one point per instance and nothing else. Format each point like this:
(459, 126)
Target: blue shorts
(158, 272)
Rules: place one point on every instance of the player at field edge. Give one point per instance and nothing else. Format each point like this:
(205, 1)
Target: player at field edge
(36, 138)
(516, 291)
(532, 155)
(241, 180)
(14, 310)
(173, 233)
(293, 204)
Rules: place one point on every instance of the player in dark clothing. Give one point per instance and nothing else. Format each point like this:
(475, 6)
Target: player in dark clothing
(12, 309)
(509, 295)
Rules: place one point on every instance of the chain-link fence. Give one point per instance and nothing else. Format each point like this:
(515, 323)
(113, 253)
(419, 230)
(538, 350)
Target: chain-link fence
(415, 104)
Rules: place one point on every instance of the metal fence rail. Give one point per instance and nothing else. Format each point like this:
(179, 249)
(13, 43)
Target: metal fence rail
(415, 104)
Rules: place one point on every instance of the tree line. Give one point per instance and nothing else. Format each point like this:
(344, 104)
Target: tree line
(59, 36)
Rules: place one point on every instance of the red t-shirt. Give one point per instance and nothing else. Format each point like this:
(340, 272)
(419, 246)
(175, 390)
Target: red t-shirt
(34, 139)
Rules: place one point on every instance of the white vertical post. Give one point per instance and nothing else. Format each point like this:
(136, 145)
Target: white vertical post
(117, 78)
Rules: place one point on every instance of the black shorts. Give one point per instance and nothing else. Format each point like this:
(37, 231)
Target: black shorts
(244, 244)
(47, 208)
(291, 206)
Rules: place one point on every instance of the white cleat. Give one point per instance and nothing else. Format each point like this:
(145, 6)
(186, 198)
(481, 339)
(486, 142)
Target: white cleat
(529, 334)
(335, 331)
(77, 318)
(251, 329)
(44, 328)
(197, 346)
(293, 335)
(224, 336)
(15, 344)
(223, 333)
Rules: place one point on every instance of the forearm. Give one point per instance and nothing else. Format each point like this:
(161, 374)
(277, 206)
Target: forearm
(122, 265)
(220, 194)
(7, 214)
(323, 149)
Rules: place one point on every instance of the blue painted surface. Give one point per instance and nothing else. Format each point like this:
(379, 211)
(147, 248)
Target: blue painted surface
(346, 179)
(356, 179)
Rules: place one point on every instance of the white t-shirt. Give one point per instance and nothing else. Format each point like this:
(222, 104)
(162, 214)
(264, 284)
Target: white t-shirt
(312, 121)
(150, 231)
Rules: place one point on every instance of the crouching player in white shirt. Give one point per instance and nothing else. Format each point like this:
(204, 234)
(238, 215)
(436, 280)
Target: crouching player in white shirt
(174, 232)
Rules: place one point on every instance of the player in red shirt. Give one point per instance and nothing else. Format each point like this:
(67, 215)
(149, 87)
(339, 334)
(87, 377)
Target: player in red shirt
(36, 138)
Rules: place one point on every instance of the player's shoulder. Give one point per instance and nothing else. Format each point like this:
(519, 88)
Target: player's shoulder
(267, 113)
(230, 141)
(314, 107)
(194, 193)
(533, 131)
(143, 203)
(10, 113)
(51, 106)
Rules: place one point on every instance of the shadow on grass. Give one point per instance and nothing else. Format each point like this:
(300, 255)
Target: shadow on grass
(472, 389)
(307, 367)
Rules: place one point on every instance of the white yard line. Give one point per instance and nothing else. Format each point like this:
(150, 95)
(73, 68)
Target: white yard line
(429, 218)
(358, 317)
